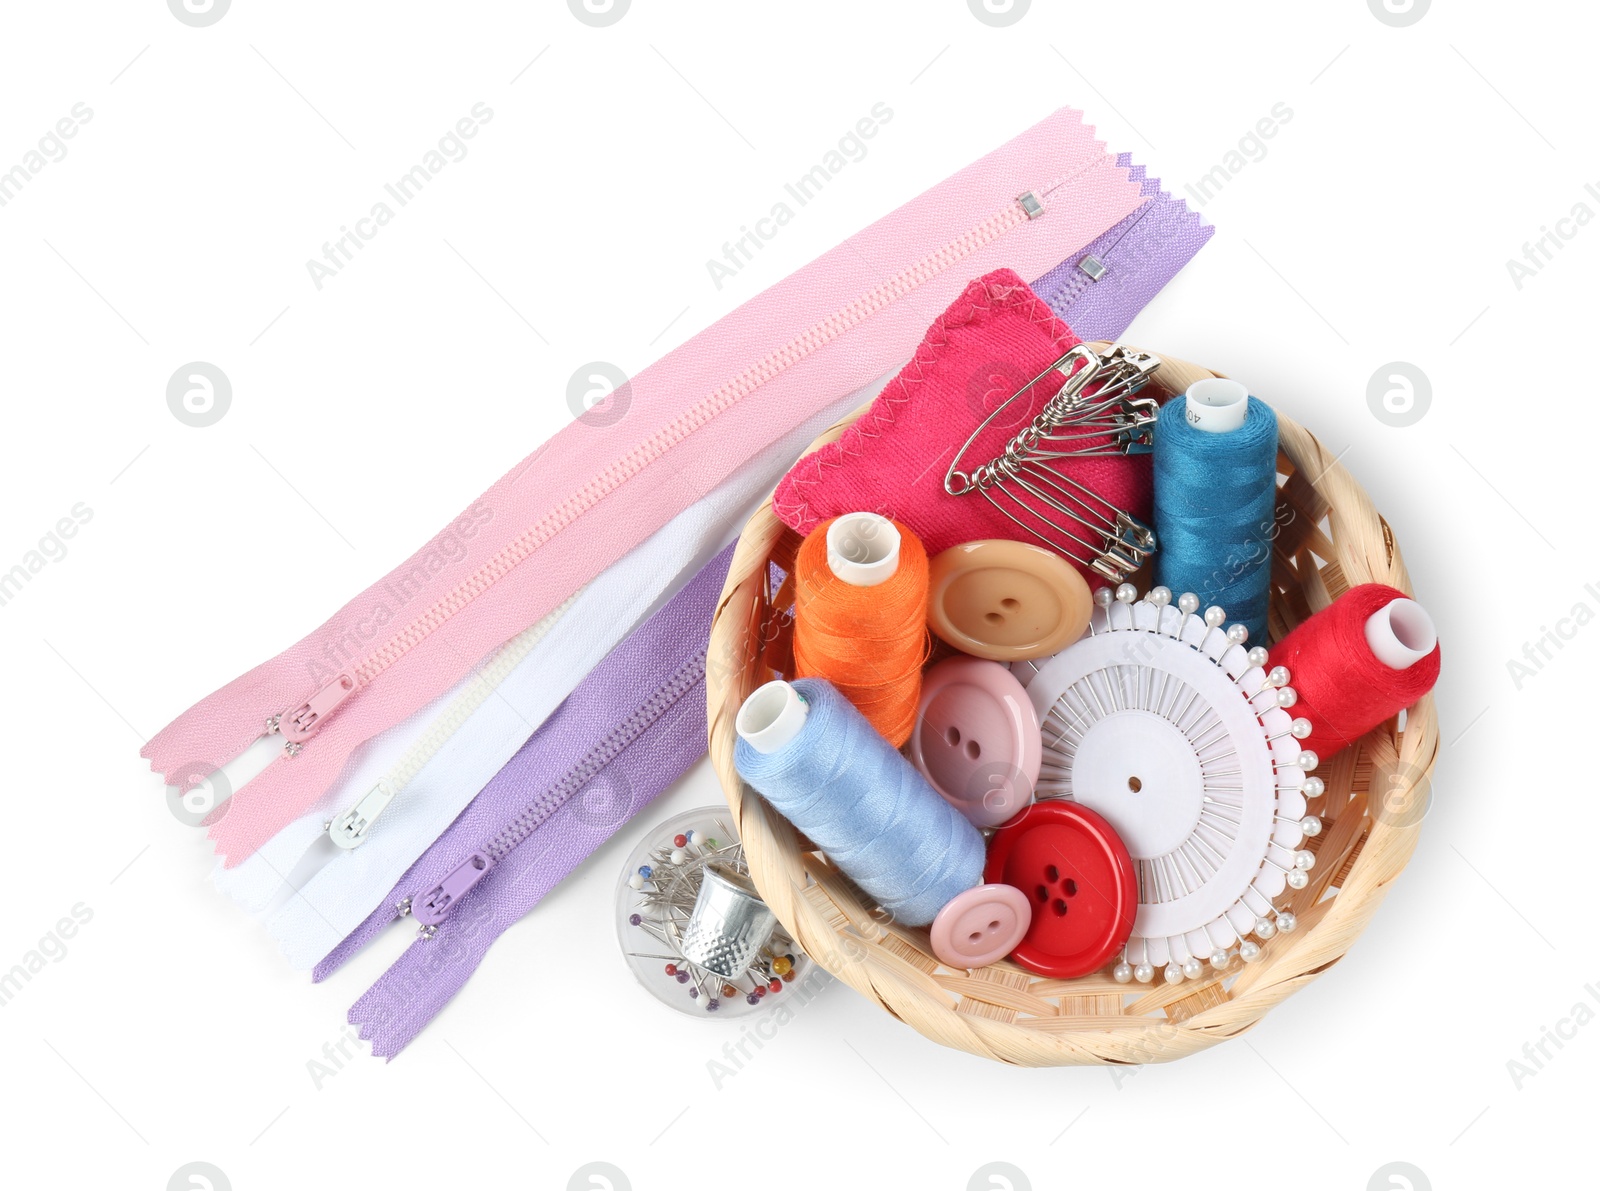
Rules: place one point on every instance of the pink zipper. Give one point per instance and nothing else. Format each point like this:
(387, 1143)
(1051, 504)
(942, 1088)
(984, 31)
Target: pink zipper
(302, 723)
(699, 446)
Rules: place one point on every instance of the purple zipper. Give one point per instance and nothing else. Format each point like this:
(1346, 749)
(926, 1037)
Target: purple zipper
(432, 907)
(437, 965)
(1100, 290)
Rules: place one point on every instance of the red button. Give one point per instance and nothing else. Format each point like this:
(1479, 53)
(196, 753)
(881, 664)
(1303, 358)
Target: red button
(1079, 879)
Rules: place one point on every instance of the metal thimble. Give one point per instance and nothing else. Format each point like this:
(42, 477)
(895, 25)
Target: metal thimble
(729, 924)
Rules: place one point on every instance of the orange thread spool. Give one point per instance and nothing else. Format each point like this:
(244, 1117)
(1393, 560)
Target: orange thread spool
(868, 641)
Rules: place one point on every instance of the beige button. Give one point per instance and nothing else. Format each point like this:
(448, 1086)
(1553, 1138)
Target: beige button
(1005, 600)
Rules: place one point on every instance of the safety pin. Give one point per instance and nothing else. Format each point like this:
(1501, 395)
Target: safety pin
(1060, 508)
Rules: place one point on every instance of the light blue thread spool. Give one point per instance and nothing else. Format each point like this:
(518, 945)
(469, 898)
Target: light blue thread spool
(1215, 472)
(824, 768)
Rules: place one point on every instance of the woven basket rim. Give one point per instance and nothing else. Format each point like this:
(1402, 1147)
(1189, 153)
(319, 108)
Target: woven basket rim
(1008, 1014)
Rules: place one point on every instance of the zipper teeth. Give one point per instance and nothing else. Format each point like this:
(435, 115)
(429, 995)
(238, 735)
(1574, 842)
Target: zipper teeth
(683, 680)
(485, 683)
(1074, 287)
(608, 481)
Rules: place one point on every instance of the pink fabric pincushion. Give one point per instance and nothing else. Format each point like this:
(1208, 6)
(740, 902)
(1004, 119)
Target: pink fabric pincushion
(995, 337)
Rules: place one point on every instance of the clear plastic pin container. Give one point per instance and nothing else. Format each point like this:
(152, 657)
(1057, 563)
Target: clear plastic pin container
(657, 894)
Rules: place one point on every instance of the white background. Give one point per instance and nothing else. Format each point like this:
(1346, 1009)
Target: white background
(177, 227)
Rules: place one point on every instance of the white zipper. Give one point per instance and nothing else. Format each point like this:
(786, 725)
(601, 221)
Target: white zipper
(353, 828)
(285, 859)
(350, 829)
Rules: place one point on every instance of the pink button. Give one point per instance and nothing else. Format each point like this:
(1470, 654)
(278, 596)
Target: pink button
(977, 739)
(980, 926)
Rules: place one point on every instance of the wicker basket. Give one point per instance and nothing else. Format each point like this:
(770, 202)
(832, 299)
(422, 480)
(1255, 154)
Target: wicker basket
(1335, 540)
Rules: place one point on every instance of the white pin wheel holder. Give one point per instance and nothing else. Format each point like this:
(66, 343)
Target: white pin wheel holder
(1161, 720)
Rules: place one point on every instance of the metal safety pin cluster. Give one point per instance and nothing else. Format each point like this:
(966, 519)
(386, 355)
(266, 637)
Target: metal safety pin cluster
(1095, 412)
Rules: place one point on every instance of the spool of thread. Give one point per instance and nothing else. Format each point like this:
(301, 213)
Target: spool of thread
(860, 617)
(1359, 661)
(823, 767)
(1215, 472)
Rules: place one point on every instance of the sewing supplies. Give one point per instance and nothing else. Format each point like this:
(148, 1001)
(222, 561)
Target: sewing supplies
(696, 880)
(977, 739)
(977, 356)
(820, 765)
(1163, 722)
(1215, 474)
(1077, 874)
(693, 930)
(1358, 662)
(1167, 728)
(861, 587)
(1094, 413)
(1005, 600)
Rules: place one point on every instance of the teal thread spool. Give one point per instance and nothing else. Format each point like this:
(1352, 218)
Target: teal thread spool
(1215, 469)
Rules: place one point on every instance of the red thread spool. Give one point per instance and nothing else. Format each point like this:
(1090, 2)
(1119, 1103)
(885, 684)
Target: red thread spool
(865, 632)
(1345, 689)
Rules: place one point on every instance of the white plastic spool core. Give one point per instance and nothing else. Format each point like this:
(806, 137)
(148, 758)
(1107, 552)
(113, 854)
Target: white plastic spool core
(1216, 405)
(863, 549)
(771, 717)
(1401, 634)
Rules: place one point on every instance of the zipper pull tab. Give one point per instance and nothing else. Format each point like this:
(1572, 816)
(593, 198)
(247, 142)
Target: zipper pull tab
(300, 724)
(350, 829)
(434, 906)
